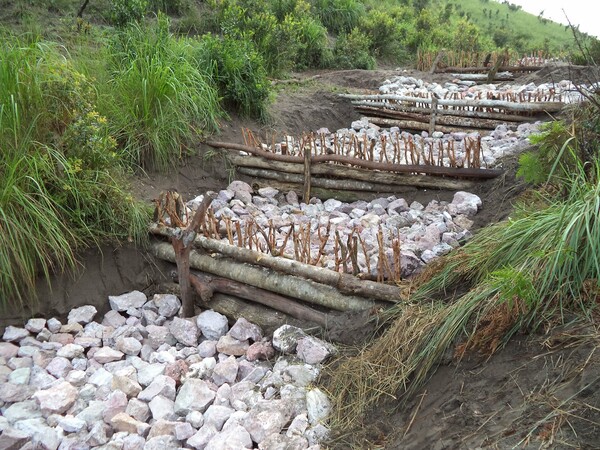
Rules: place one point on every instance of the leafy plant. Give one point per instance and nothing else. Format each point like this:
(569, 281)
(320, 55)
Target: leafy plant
(124, 12)
(339, 16)
(352, 51)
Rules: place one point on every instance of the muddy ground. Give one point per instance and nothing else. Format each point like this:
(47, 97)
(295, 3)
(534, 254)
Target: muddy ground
(539, 392)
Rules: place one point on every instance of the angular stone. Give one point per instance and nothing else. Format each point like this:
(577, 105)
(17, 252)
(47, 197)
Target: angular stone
(12, 439)
(159, 335)
(57, 399)
(124, 422)
(62, 338)
(464, 203)
(88, 342)
(133, 442)
(20, 376)
(194, 395)
(14, 334)
(285, 338)
(98, 434)
(298, 426)
(195, 418)
(283, 442)
(138, 409)
(162, 443)
(317, 434)
(234, 438)
(93, 413)
(318, 406)
(28, 409)
(149, 372)
(106, 354)
(162, 427)
(225, 371)
(101, 377)
(8, 350)
(35, 325)
(201, 438)
(217, 415)
(70, 351)
(185, 331)
(83, 314)
(53, 325)
(182, 431)
(243, 330)
(176, 370)
(126, 384)
(212, 324)
(161, 385)
(231, 346)
(134, 299)
(261, 350)
(128, 345)
(71, 424)
(267, 418)
(114, 404)
(162, 408)
(113, 319)
(207, 348)
(313, 350)
(168, 304)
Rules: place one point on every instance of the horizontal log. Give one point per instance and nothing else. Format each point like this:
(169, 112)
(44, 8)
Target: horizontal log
(483, 76)
(289, 285)
(414, 125)
(487, 69)
(400, 168)
(440, 118)
(516, 117)
(338, 185)
(338, 171)
(345, 283)
(257, 295)
(497, 104)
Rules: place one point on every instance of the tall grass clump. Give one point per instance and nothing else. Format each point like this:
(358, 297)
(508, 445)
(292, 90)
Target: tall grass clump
(338, 16)
(157, 100)
(60, 185)
(542, 266)
(238, 69)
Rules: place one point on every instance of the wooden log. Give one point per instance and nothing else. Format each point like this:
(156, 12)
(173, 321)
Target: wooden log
(516, 117)
(414, 125)
(466, 122)
(481, 77)
(307, 176)
(486, 69)
(343, 282)
(498, 104)
(256, 295)
(401, 168)
(433, 114)
(338, 171)
(436, 62)
(335, 184)
(288, 285)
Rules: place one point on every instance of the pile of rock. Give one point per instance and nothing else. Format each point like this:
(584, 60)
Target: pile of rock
(145, 378)
(424, 231)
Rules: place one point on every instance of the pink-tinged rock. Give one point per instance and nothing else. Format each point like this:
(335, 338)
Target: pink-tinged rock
(231, 346)
(159, 335)
(201, 438)
(59, 367)
(8, 350)
(267, 418)
(72, 328)
(114, 404)
(161, 385)
(62, 338)
(113, 319)
(206, 349)
(225, 371)
(260, 351)
(106, 354)
(57, 399)
(162, 428)
(243, 330)
(11, 392)
(234, 438)
(312, 350)
(14, 334)
(185, 331)
(194, 395)
(176, 370)
(134, 299)
(83, 314)
(464, 203)
(126, 384)
(13, 439)
(126, 423)
(35, 325)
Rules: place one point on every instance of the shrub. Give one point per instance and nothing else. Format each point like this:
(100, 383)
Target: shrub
(313, 51)
(157, 99)
(352, 51)
(387, 32)
(239, 72)
(124, 12)
(339, 16)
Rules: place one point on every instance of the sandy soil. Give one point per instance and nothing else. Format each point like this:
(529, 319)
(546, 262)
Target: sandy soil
(542, 391)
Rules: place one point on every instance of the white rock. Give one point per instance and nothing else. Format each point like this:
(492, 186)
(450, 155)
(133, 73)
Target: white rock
(58, 398)
(138, 409)
(13, 334)
(318, 406)
(313, 350)
(194, 395)
(106, 354)
(162, 408)
(217, 415)
(267, 418)
(243, 330)
(168, 304)
(464, 203)
(59, 367)
(83, 314)
(285, 338)
(70, 351)
(207, 348)
(35, 325)
(20, 376)
(161, 385)
(72, 424)
(134, 299)
(128, 345)
(212, 324)
(162, 443)
(202, 437)
(28, 409)
(234, 438)
(53, 325)
(185, 331)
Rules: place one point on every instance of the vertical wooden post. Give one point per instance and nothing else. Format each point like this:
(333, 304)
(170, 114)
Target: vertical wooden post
(306, 190)
(436, 61)
(434, 107)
